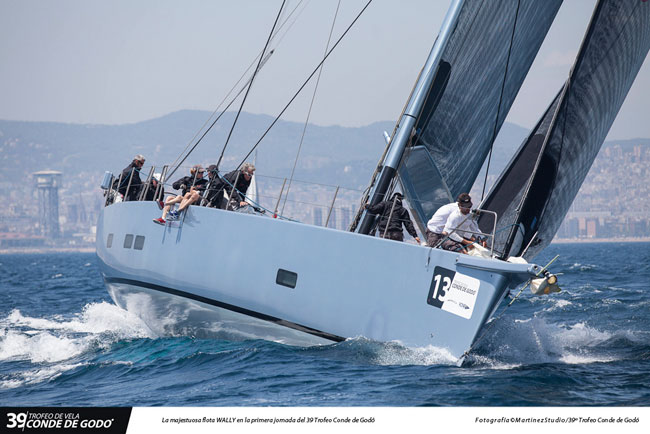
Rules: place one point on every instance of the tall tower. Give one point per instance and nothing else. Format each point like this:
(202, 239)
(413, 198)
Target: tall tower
(47, 183)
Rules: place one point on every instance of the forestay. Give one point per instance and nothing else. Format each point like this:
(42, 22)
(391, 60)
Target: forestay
(532, 204)
(481, 70)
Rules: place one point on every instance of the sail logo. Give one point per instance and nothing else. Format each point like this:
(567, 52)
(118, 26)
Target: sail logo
(453, 292)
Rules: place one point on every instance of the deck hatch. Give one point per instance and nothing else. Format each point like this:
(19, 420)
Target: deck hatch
(286, 278)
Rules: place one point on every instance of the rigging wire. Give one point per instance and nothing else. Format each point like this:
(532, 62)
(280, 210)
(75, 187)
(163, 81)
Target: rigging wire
(250, 85)
(215, 121)
(304, 84)
(357, 218)
(311, 105)
(503, 86)
(566, 99)
(380, 163)
(176, 162)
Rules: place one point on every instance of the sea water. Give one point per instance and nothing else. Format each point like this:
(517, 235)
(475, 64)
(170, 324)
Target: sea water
(63, 342)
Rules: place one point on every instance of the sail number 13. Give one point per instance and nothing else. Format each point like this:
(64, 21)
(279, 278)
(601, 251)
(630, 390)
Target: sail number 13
(442, 278)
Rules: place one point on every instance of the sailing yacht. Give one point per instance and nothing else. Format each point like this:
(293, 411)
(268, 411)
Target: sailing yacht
(240, 276)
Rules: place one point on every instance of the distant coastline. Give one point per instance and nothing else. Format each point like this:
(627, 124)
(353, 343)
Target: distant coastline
(601, 240)
(42, 250)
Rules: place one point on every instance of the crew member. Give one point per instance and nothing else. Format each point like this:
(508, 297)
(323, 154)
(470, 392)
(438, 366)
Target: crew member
(392, 216)
(131, 174)
(241, 179)
(191, 186)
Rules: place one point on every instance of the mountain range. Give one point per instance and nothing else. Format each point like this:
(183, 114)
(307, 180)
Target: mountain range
(343, 156)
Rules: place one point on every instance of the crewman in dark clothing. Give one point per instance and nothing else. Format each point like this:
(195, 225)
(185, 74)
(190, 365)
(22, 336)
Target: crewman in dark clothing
(150, 193)
(241, 179)
(132, 173)
(398, 217)
(214, 195)
(194, 179)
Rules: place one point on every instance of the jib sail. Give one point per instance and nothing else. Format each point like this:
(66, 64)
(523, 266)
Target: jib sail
(531, 205)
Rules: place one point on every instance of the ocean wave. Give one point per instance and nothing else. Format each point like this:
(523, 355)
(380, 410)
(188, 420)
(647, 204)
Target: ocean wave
(557, 304)
(35, 376)
(582, 267)
(57, 344)
(533, 341)
(363, 350)
(56, 338)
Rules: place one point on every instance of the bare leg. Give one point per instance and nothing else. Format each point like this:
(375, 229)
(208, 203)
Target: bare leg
(188, 200)
(169, 203)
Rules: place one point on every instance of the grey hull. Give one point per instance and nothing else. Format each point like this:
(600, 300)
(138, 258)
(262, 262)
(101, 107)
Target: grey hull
(246, 276)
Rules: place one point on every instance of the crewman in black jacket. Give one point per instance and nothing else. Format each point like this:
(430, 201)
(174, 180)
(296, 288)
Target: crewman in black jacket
(241, 179)
(131, 179)
(398, 215)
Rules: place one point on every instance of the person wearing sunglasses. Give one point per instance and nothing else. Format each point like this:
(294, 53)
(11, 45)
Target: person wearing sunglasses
(461, 229)
(131, 179)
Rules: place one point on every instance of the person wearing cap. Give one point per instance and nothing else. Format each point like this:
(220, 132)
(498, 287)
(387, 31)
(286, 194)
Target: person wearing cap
(131, 179)
(461, 230)
(152, 187)
(437, 228)
(392, 216)
(191, 187)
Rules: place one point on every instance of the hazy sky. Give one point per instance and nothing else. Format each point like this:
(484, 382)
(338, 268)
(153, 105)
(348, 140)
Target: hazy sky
(113, 62)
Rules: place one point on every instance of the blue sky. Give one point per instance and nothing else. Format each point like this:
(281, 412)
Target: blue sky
(90, 61)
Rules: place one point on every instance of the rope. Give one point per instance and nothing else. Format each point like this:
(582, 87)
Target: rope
(260, 55)
(215, 121)
(311, 105)
(313, 183)
(304, 84)
(254, 203)
(250, 85)
(503, 85)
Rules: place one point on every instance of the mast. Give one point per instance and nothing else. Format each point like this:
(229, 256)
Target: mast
(401, 137)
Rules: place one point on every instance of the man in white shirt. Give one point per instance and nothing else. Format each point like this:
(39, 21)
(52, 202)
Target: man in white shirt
(453, 221)
(461, 230)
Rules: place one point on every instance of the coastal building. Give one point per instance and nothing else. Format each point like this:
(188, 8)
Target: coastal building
(47, 184)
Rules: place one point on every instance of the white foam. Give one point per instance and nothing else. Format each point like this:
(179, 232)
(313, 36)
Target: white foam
(35, 376)
(94, 318)
(492, 363)
(557, 304)
(53, 343)
(533, 340)
(579, 335)
(582, 267)
(56, 339)
(579, 359)
(39, 348)
(396, 353)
